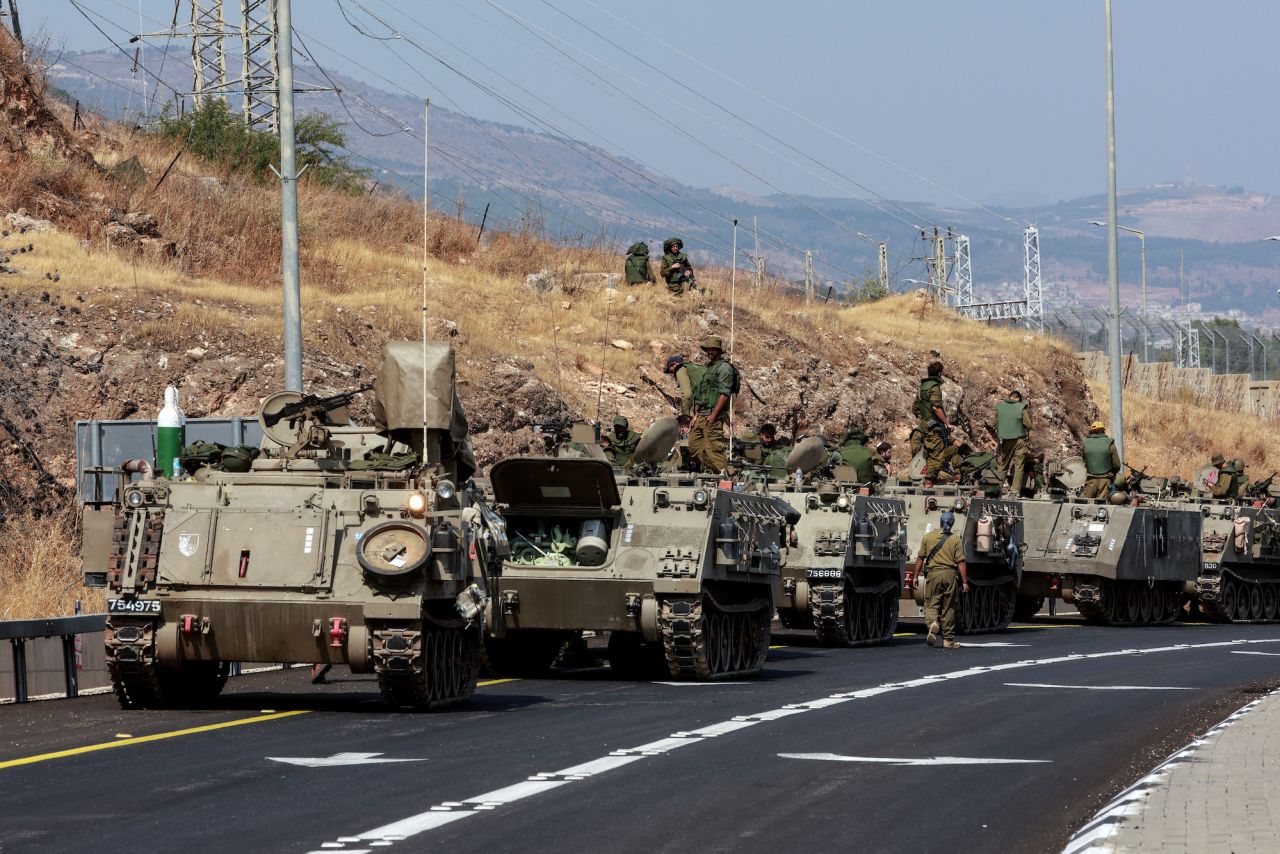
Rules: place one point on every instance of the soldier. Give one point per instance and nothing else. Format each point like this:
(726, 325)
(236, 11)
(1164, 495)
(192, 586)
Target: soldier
(1224, 485)
(1013, 426)
(883, 450)
(1242, 480)
(1036, 476)
(676, 270)
(971, 464)
(853, 452)
(712, 396)
(773, 451)
(1101, 462)
(940, 557)
(935, 430)
(637, 267)
(619, 446)
(687, 377)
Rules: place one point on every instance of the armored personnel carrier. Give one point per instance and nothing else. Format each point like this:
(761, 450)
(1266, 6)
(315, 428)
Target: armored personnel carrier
(333, 544)
(992, 529)
(680, 571)
(1239, 569)
(842, 565)
(1128, 561)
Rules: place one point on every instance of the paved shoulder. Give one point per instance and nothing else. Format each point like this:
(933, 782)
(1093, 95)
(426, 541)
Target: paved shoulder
(1219, 793)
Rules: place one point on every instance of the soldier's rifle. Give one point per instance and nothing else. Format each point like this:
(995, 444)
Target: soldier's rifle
(1135, 478)
(1262, 488)
(313, 405)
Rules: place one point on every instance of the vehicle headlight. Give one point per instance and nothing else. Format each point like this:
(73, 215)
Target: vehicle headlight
(843, 502)
(416, 504)
(700, 499)
(134, 498)
(446, 490)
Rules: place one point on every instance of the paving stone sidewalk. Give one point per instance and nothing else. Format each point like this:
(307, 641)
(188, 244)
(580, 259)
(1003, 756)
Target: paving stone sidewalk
(1220, 794)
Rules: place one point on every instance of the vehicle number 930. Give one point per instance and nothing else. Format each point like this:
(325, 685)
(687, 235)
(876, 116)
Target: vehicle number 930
(1209, 567)
(133, 606)
(825, 573)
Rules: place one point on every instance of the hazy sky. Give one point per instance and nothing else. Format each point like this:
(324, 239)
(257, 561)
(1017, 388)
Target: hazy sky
(998, 100)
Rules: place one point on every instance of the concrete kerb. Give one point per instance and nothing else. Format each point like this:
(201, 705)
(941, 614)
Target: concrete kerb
(1099, 835)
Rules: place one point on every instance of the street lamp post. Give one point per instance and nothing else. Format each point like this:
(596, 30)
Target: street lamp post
(1142, 240)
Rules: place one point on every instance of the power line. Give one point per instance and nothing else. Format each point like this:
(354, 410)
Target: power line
(750, 124)
(805, 118)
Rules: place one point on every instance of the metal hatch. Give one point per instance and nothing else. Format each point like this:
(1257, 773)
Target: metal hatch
(554, 482)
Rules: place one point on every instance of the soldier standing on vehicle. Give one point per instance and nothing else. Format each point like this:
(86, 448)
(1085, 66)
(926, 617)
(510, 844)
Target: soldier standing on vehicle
(687, 376)
(1013, 426)
(1101, 462)
(621, 444)
(935, 429)
(676, 270)
(712, 396)
(941, 559)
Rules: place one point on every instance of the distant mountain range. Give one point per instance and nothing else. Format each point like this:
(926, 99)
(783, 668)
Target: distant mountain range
(543, 179)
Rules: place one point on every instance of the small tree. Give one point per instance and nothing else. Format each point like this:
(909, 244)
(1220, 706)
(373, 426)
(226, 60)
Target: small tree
(866, 288)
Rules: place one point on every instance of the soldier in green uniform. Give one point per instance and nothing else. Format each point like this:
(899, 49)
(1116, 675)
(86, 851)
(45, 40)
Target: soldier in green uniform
(711, 397)
(935, 430)
(676, 270)
(1224, 485)
(621, 444)
(941, 558)
(971, 466)
(772, 451)
(1101, 462)
(1037, 480)
(853, 452)
(687, 377)
(1242, 480)
(637, 267)
(1013, 426)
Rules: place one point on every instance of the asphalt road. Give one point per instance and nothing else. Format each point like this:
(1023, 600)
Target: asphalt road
(808, 756)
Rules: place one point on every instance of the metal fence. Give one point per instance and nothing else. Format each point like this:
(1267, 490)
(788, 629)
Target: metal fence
(22, 634)
(107, 444)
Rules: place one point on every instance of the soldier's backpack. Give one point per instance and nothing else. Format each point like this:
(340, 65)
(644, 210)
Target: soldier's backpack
(200, 455)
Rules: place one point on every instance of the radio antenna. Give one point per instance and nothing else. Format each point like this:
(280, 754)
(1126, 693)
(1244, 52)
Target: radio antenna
(733, 303)
(604, 345)
(426, 154)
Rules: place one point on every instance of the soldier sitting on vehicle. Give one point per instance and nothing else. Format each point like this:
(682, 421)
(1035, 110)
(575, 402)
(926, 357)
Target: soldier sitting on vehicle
(621, 443)
(1226, 484)
(854, 453)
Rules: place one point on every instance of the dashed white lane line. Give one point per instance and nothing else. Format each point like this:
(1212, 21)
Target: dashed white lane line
(913, 763)
(1099, 687)
(448, 812)
(1251, 652)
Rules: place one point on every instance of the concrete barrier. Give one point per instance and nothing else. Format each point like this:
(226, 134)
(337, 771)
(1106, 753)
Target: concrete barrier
(1166, 381)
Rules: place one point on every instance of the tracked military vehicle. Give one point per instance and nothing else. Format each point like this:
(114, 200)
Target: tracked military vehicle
(992, 529)
(334, 544)
(680, 571)
(1239, 569)
(842, 565)
(1127, 563)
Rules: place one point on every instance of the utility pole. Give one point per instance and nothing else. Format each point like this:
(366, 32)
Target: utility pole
(884, 266)
(1113, 263)
(289, 205)
(208, 51)
(15, 24)
(259, 67)
(808, 275)
(759, 261)
(1031, 284)
(964, 271)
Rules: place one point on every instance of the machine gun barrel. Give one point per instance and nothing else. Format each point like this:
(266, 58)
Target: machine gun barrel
(310, 403)
(1262, 487)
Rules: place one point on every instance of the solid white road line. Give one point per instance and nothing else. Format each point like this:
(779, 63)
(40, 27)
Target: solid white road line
(1251, 652)
(1099, 687)
(697, 684)
(933, 760)
(991, 644)
(451, 811)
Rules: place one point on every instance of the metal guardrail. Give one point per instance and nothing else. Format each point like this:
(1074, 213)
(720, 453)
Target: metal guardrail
(18, 632)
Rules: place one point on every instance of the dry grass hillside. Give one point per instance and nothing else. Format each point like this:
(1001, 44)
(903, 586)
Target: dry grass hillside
(141, 279)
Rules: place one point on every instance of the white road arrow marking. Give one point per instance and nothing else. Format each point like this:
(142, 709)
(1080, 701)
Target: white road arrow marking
(1251, 652)
(903, 762)
(1099, 687)
(338, 759)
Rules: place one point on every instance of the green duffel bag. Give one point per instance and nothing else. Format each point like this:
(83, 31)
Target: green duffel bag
(199, 455)
(379, 461)
(238, 458)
